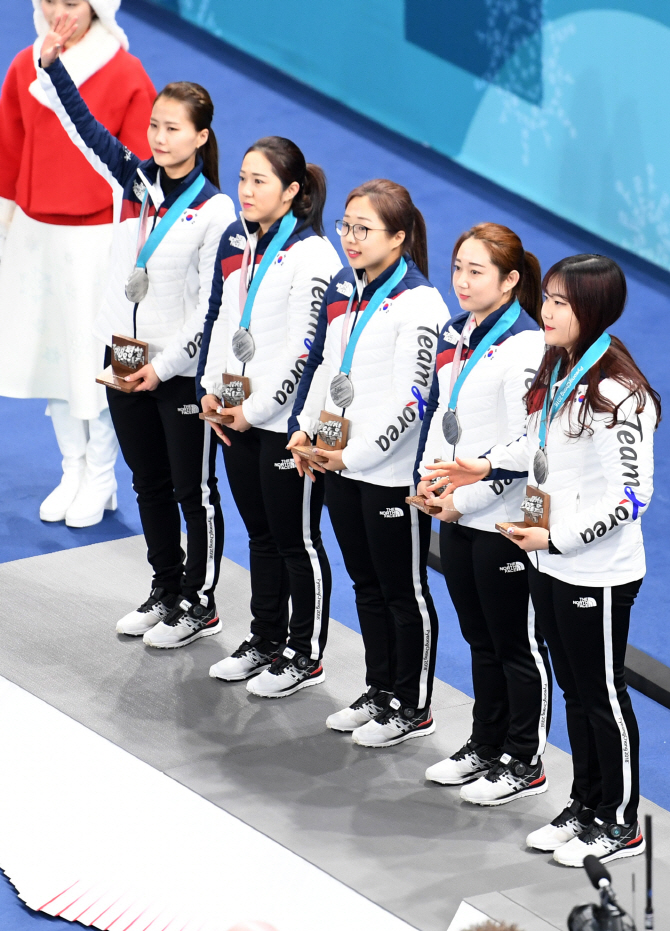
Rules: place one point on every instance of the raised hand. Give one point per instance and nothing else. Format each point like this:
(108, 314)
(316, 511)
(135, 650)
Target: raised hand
(55, 41)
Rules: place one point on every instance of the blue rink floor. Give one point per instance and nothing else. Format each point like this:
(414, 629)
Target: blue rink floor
(252, 102)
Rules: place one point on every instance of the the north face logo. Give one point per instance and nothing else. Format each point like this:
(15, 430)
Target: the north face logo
(513, 567)
(285, 464)
(345, 287)
(238, 241)
(586, 602)
(189, 409)
(392, 512)
(451, 336)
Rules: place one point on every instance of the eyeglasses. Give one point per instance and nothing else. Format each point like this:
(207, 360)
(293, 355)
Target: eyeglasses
(360, 232)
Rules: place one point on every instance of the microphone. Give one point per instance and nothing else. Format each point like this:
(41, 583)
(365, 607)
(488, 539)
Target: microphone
(596, 872)
(608, 916)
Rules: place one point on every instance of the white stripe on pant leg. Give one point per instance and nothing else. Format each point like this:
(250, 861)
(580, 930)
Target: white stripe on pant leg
(316, 565)
(209, 517)
(544, 682)
(616, 707)
(421, 603)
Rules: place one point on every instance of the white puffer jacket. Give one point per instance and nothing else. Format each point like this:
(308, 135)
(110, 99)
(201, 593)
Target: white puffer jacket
(283, 319)
(490, 410)
(600, 486)
(392, 371)
(170, 318)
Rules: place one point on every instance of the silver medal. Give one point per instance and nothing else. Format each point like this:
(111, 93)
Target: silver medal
(341, 390)
(137, 285)
(540, 466)
(243, 345)
(451, 428)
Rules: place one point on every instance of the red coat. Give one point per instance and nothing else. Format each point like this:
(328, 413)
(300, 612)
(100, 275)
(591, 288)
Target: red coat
(40, 168)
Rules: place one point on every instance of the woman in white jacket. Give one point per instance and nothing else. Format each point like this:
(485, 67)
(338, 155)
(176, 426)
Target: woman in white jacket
(589, 446)
(271, 271)
(173, 195)
(372, 363)
(486, 359)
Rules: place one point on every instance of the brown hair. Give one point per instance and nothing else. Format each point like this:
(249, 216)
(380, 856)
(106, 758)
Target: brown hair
(289, 164)
(507, 254)
(595, 288)
(397, 212)
(200, 112)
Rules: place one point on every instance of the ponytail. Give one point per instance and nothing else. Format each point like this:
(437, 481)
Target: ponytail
(507, 254)
(201, 112)
(310, 200)
(419, 245)
(528, 292)
(288, 163)
(209, 153)
(397, 212)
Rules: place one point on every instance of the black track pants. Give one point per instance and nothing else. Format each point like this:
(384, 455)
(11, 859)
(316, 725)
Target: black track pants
(586, 630)
(385, 544)
(487, 578)
(172, 455)
(281, 512)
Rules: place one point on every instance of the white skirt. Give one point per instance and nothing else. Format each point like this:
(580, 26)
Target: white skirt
(52, 281)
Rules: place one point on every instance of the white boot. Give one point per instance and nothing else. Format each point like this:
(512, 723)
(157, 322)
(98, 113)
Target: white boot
(72, 436)
(97, 491)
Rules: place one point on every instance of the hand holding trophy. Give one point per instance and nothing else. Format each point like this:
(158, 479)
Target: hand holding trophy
(56, 40)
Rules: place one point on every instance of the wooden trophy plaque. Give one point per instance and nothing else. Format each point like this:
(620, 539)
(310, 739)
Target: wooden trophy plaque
(331, 433)
(128, 356)
(236, 388)
(418, 501)
(535, 507)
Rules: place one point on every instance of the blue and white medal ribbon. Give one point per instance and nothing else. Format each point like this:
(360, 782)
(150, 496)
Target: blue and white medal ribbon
(243, 342)
(137, 284)
(550, 408)
(341, 388)
(451, 428)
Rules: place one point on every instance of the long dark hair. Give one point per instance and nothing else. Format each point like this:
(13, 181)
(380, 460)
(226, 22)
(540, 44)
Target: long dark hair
(200, 112)
(289, 164)
(595, 288)
(397, 212)
(507, 253)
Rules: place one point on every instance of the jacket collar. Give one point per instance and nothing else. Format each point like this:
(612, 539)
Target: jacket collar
(149, 173)
(365, 289)
(480, 332)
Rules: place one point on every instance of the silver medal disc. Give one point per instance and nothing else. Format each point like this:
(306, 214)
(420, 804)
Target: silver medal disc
(137, 285)
(243, 345)
(451, 428)
(341, 390)
(540, 466)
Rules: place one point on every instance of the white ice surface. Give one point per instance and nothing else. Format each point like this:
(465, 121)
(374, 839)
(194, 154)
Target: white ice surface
(90, 832)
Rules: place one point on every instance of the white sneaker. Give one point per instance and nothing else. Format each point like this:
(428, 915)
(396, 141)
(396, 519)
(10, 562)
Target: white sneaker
(604, 841)
(154, 610)
(394, 726)
(287, 674)
(468, 763)
(364, 709)
(506, 780)
(572, 821)
(55, 505)
(184, 624)
(91, 502)
(252, 656)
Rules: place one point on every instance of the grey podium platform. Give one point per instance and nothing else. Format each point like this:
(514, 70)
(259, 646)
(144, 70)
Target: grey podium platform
(366, 817)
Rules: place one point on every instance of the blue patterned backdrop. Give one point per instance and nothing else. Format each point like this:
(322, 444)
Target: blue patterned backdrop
(561, 101)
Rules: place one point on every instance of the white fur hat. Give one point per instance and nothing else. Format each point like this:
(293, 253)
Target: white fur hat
(106, 11)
